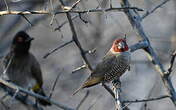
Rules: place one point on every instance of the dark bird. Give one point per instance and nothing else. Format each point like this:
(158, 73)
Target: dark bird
(113, 65)
(22, 68)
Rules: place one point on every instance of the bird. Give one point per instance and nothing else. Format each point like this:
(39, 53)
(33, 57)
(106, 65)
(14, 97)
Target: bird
(22, 67)
(113, 65)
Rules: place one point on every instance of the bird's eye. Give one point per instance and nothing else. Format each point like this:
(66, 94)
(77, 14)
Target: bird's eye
(19, 39)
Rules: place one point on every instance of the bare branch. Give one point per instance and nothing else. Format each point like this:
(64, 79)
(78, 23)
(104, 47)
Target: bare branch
(22, 90)
(172, 62)
(135, 21)
(54, 85)
(8, 9)
(94, 102)
(84, 98)
(90, 51)
(27, 20)
(154, 9)
(109, 90)
(57, 48)
(67, 8)
(79, 68)
(147, 100)
(19, 97)
(75, 39)
(65, 22)
(139, 45)
(63, 11)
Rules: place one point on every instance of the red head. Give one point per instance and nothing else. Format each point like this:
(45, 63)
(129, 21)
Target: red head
(119, 45)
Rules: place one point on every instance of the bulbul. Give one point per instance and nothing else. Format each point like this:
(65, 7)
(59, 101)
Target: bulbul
(22, 68)
(113, 65)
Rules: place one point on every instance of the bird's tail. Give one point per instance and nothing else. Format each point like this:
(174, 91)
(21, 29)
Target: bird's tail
(75, 92)
(41, 101)
(91, 81)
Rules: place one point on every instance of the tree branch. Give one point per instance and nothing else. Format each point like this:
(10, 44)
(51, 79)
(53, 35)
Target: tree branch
(65, 11)
(75, 39)
(135, 21)
(172, 62)
(22, 90)
(147, 100)
(81, 102)
(154, 9)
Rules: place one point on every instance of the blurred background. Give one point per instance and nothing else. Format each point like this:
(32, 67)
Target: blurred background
(142, 81)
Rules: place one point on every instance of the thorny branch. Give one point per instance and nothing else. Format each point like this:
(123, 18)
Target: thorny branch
(22, 90)
(65, 11)
(172, 62)
(20, 98)
(81, 102)
(135, 21)
(153, 10)
(147, 100)
(75, 39)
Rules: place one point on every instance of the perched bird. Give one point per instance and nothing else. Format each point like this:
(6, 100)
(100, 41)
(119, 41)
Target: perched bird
(113, 65)
(21, 66)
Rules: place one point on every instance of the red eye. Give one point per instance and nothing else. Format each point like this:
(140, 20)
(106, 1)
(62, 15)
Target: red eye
(19, 39)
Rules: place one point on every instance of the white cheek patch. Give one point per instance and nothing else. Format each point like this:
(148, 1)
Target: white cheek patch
(119, 47)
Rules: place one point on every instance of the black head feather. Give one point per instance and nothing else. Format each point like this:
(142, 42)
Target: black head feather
(21, 42)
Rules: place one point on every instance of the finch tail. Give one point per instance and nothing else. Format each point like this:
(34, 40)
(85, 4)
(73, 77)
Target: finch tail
(75, 92)
(91, 81)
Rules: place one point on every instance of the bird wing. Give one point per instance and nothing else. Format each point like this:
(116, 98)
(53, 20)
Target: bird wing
(36, 71)
(103, 67)
(98, 75)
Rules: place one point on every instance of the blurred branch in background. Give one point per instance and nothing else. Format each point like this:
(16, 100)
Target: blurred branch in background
(154, 9)
(147, 100)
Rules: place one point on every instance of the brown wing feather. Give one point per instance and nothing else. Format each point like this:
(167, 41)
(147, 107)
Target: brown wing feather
(103, 67)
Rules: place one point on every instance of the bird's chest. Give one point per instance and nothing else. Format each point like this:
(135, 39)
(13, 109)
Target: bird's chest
(19, 72)
(119, 66)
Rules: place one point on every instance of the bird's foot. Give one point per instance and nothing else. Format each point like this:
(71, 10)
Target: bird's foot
(116, 84)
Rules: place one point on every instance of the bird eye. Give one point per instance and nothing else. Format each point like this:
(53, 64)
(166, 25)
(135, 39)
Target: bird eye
(19, 39)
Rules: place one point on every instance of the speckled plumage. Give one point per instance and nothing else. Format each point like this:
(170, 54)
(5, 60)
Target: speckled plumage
(113, 65)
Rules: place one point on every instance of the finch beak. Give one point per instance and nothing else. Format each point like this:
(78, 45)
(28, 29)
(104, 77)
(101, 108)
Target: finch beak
(29, 39)
(121, 45)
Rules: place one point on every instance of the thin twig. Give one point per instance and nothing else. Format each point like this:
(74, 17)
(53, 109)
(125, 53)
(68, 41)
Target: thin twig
(82, 101)
(70, 11)
(154, 9)
(147, 100)
(65, 22)
(79, 68)
(75, 4)
(54, 84)
(53, 15)
(172, 62)
(27, 19)
(94, 102)
(8, 9)
(57, 48)
(75, 39)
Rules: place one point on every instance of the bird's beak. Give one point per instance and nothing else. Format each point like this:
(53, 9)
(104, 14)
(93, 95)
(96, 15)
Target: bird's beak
(121, 45)
(29, 39)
